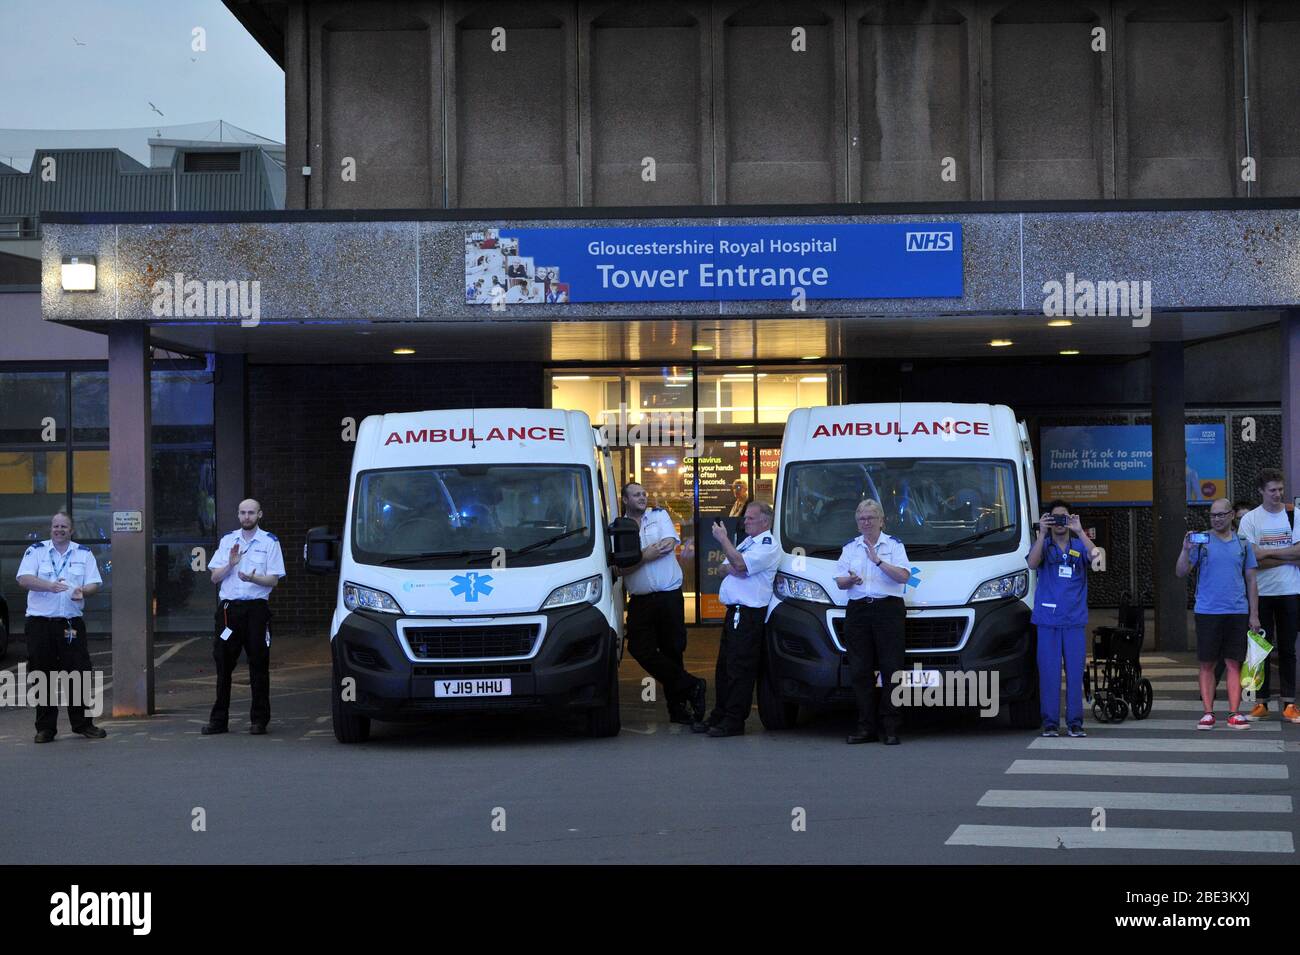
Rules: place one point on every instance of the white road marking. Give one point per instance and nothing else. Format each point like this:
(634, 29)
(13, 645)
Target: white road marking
(1071, 767)
(1201, 744)
(1163, 802)
(1084, 837)
(1185, 724)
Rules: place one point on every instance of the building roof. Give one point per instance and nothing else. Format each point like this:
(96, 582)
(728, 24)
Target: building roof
(211, 178)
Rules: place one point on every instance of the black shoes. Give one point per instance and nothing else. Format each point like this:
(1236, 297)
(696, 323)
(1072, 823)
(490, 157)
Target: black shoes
(45, 736)
(212, 729)
(257, 729)
(702, 726)
(722, 729)
(861, 735)
(91, 731)
(892, 740)
(680, 716)
(699, 699)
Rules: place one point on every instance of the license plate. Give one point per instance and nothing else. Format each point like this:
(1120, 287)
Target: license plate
(446, 688)
(919, 678)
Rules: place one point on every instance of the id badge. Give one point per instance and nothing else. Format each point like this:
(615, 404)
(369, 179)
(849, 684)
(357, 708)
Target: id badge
(226, 634)
(70, 634)
(1064, 570)
(735, 619)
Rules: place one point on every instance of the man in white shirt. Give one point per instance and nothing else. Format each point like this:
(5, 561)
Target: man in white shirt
(58, 575)
(656, 613)
(748, 572)
(873, 568)
(1269, 530)
(247, 565)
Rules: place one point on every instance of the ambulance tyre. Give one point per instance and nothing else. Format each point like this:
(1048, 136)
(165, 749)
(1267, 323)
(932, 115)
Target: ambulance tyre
(773, 712)
(603, 721)
(1025, 714)
(4, 639)
(349, 727)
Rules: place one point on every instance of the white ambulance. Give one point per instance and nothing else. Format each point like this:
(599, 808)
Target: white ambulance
(957, 485)
(475, 569)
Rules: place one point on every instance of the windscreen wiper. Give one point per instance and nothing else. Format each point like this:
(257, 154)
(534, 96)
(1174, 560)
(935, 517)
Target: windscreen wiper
(969, 539)
(433, 555)
(538, 545)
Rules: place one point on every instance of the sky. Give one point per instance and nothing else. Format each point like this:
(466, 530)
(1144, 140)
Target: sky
(135, 52)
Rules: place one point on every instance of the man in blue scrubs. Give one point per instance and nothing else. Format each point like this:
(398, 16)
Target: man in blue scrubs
(1061, 555)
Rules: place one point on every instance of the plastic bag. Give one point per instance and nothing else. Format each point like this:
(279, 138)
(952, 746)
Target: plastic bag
(1257, 651)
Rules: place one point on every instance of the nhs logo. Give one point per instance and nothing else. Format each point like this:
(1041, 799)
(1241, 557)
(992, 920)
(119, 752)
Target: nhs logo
(929, 241)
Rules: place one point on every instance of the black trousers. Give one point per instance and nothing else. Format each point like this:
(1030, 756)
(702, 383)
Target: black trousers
(737, 671)
(1278, 616)
(49, 653)
(249, 619)
(873, 634)
(656, 638)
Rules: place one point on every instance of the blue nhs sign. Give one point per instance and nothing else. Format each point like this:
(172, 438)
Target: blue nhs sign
(929, 241)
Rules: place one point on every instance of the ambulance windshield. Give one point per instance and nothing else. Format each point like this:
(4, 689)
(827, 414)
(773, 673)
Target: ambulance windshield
(460, 516)
(940, 508)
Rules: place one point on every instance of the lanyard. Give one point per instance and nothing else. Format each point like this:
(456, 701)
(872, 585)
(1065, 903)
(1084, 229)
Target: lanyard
(67, 556)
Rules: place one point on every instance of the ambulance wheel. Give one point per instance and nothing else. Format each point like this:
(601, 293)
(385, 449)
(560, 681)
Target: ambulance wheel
(4, 639)
(773, 712)
(1025, 714)
(604, 720)
(1142, 701)
(349, 727)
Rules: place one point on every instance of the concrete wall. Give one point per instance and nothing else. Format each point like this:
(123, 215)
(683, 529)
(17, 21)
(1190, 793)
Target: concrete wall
(1039, 99)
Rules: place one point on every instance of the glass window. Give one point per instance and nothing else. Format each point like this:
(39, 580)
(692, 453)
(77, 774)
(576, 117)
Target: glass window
(90, 406)
(182, 407)
(32, 487)
(942, 509)
(668, 389)
(780, 392)
(184, 599)
(458, 515)
(727, 397)
(595, 393)
(27, 400)
(184, 494)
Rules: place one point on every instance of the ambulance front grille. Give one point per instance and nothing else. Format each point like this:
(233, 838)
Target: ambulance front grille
(459, 643)
(923, 633)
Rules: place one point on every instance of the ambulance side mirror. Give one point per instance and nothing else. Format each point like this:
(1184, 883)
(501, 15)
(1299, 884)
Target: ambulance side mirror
(624, 542)
(321, 552)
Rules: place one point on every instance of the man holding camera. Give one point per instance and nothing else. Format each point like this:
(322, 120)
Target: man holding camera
(1061, 555)
(1226, 600)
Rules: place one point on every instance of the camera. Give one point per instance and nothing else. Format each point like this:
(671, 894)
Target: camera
(1061, 520)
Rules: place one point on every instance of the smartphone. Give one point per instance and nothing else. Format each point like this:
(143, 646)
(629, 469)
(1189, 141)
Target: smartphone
(1199, 537)
(1061, 520)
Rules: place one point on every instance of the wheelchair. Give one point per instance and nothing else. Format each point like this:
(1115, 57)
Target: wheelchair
(1112, 680)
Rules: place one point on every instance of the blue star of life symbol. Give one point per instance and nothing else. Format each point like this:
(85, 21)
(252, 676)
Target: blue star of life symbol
(915, 579)
(471, 585)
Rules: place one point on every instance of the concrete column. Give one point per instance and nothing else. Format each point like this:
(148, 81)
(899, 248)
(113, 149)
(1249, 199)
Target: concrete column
(1169, 493)
(230, 436)
(130, 465)
(1291, 399)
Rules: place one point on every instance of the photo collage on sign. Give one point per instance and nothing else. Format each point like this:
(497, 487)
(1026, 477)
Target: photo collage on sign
(495, 271)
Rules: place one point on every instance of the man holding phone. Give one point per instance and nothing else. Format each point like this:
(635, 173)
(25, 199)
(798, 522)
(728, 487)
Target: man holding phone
(1226, 601)
(1062, 555)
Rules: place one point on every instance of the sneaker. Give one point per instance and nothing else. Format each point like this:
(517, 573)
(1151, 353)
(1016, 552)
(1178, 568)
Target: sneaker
(1260, 712)
(1076, 731)
(1206, 722)
(1050, 731)
(1238, 722)
(1291, 714)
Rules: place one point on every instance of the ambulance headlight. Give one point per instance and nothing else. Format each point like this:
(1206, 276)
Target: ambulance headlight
(1012, 585)
(579, 592)
(356, 597)
(796, 588)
